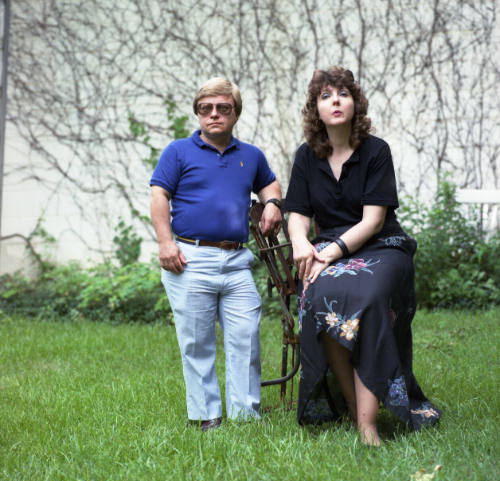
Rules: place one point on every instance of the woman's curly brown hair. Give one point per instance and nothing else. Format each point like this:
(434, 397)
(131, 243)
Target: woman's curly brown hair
(314, 129)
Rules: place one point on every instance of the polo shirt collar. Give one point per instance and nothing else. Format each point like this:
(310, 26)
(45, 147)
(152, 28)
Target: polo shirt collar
(196, 138)
(353, 159)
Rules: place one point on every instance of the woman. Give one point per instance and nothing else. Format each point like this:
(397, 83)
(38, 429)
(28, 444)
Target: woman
(357, 289)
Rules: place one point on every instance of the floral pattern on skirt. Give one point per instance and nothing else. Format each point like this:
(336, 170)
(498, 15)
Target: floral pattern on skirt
(367, 304)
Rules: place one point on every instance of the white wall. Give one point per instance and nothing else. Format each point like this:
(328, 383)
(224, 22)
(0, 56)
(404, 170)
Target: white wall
(271, 115)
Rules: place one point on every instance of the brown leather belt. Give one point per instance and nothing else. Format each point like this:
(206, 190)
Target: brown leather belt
(227, 245)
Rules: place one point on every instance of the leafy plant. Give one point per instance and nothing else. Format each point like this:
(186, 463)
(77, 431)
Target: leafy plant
(177, 128)
(127, 244)
(178, 123)
(131, 293)
(128, 294)
(455, 265)
(465, 286)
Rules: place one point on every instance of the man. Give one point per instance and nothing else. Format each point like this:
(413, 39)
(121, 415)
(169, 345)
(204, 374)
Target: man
(206, 270)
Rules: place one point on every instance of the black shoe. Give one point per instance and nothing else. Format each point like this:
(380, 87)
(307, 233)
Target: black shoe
(210, 424)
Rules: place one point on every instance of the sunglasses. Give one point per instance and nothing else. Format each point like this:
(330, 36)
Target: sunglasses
(205, 109)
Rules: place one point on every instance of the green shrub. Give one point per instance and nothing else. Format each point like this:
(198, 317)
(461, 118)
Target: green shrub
(127, 244)
(455, 265)
(132, 293)
(465, 286)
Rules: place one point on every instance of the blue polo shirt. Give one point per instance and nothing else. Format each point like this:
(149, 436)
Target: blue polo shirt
(211, 191)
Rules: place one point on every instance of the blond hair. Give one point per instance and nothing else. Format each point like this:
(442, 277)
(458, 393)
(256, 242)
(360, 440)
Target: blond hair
(219, 86)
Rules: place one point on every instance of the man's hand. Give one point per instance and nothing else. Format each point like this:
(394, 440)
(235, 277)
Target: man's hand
(270, 221)
(171, 257)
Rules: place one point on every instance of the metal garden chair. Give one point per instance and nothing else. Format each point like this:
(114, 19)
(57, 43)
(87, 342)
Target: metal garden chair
(278, 258)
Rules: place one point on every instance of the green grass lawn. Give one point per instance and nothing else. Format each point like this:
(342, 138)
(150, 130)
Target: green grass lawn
(94, 401)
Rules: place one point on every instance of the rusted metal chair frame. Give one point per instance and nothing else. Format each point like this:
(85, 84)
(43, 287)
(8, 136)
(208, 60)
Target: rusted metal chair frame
(278, 258)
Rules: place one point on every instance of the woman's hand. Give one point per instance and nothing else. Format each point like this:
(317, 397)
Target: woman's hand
(317, 267)
(320, 263)
(304, 255)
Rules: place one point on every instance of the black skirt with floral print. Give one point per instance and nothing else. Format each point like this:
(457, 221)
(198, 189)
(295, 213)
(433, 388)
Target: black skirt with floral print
(366, 303)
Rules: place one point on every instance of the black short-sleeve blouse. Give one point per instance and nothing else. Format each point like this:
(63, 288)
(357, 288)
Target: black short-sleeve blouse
(367, 178)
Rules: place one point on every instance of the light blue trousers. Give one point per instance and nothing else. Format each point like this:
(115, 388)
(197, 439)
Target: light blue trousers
(217, 283)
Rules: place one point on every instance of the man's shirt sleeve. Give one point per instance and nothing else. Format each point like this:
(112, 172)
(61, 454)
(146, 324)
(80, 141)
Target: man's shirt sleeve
(167, 170)
(264, 175)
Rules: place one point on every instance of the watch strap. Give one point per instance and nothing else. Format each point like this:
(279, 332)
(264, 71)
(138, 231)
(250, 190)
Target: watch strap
(276, 202)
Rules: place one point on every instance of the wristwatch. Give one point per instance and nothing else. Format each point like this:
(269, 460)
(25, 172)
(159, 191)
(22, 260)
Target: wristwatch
(276, 202)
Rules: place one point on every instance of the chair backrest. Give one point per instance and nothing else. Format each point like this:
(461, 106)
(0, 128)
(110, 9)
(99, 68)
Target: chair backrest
(277, 255)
